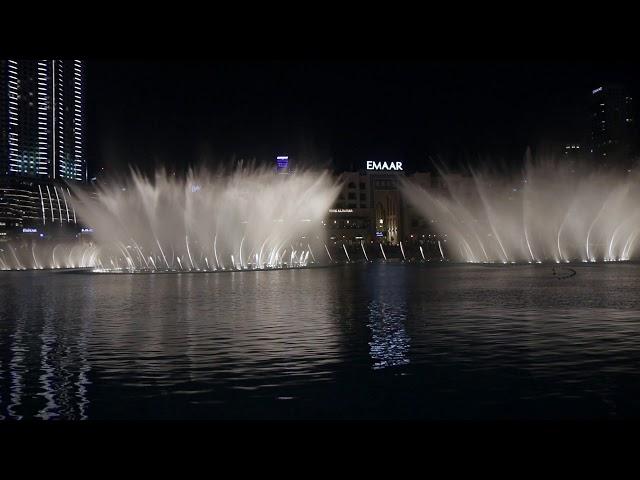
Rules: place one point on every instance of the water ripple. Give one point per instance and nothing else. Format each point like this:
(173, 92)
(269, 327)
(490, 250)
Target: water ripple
(353, 342)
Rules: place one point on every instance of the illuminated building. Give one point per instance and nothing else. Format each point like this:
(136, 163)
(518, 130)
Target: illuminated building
(28, 206)
(41, 143)
(370, 207)
(42, 119)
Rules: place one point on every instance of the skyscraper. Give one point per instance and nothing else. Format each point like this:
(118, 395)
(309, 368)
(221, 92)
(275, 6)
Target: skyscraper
(41, 145)
(41, 119)
(612, 126)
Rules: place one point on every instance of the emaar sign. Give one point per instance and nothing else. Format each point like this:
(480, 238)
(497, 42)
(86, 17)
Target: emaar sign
(371, 165)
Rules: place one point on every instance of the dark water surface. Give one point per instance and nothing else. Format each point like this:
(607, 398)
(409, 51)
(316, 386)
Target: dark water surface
(365, 342)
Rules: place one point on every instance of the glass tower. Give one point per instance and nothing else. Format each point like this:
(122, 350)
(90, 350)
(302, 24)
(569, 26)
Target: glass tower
(41, 119)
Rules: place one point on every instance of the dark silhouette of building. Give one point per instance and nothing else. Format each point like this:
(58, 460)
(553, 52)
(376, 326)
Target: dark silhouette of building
(613, 139)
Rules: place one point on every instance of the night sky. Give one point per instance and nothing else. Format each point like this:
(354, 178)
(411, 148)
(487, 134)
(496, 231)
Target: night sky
(148, 113)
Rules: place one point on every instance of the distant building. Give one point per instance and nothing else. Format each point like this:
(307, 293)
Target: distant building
(41, 144)
(613, 141)
(573, 154)
(350, 219)
(370, 208)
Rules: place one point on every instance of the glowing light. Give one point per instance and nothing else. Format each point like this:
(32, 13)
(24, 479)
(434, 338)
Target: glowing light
(371, 165)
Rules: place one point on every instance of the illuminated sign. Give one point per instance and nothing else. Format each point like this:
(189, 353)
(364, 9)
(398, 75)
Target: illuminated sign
(87, 230)
(29, 230)
(379, 234)
(371, 165)
(599, 89)
(340, 210)
(282, 164)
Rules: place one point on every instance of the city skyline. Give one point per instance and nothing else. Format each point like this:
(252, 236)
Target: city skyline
(455, 111)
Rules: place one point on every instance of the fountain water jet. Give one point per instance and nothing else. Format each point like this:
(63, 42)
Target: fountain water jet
(548, 212)
(248, 213)
(364, 251)
(346, 253)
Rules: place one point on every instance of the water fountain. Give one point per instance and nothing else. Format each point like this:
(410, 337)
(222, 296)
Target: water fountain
(246, 219)
(43, 255)
(364, 251)
(346, 253)
(549, 212)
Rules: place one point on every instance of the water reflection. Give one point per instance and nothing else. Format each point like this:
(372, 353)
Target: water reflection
(2, 417)
(16, 370)
(389, 344)
(298, 344)
(96, 344)
(47, 381)
(84, 367)
(41, 336)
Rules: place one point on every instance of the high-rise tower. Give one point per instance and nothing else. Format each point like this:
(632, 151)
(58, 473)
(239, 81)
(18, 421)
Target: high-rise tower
(41, 146)
(41, 119)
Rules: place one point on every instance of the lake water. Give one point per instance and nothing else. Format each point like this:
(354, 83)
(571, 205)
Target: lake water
(376, 341)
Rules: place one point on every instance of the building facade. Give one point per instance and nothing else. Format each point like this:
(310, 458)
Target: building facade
(41, 145)
(370, 209)
(31, 207)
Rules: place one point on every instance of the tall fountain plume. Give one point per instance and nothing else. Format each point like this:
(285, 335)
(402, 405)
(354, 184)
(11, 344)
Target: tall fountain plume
(551, 211)
(207, 221)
